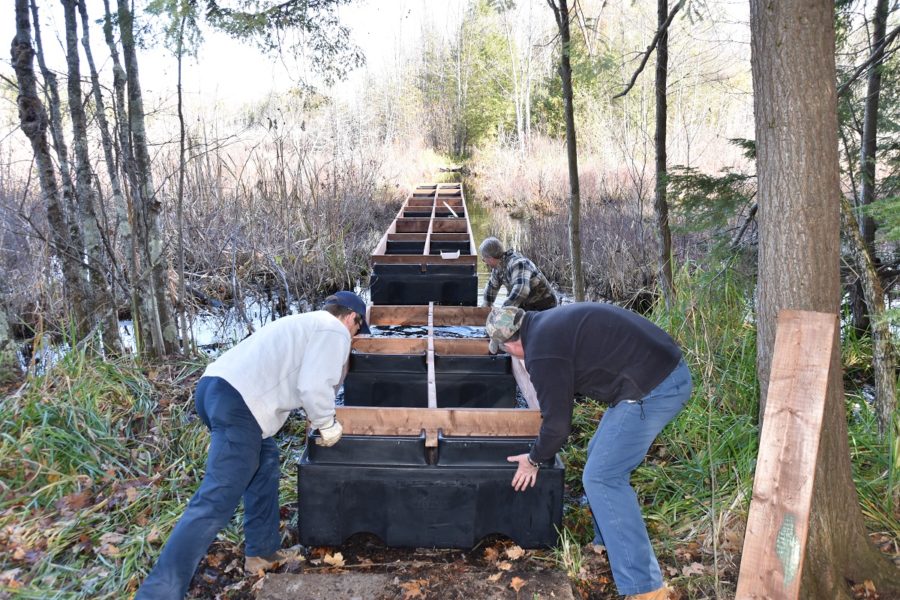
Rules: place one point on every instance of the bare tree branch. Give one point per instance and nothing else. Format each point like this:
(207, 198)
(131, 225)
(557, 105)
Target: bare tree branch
(650, 49)
(876, 56)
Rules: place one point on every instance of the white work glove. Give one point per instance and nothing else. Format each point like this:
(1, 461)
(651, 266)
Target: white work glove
(330, 434)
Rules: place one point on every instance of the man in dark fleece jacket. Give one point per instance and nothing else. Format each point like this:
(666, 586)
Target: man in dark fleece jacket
(618, 357)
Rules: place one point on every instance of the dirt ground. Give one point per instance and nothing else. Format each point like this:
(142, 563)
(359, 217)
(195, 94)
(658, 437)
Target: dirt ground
(363, 568)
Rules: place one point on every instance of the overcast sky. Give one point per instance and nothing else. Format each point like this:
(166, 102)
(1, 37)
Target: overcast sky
(233, 72)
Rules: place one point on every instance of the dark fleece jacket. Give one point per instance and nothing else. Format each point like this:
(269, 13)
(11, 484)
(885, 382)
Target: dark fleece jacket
(597, 350)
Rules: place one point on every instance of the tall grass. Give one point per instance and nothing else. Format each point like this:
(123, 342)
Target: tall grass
(97, 461)
(696, 482)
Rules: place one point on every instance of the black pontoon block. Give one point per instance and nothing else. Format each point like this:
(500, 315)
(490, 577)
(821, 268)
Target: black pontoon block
(393, 488)
(449, 285)
(402, 380)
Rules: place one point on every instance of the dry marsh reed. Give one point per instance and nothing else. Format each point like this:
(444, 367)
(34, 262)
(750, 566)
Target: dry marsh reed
(276, 203)
(617, 230)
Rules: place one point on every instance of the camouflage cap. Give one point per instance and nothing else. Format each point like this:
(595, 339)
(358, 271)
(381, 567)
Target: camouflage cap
(502, 323)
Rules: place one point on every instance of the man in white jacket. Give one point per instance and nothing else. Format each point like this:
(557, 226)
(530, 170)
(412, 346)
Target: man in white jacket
(244, 398)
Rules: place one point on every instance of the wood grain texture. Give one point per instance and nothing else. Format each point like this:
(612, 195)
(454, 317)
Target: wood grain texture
(514, 422)
(778, 523)
(391, 314)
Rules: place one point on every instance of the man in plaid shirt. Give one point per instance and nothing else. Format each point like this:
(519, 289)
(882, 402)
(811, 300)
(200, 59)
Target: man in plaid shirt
(526, 286)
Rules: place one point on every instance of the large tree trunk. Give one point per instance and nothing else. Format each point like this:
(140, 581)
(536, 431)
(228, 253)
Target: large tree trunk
(561, 12)
(64, 233)
(799, 240)
(138, 282)
(103, 308)
(34, 122)
(121, 226)
(157, 311)
(663, 233)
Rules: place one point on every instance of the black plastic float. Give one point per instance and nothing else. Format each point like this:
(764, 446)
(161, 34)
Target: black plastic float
(385, 486)
(429, 421)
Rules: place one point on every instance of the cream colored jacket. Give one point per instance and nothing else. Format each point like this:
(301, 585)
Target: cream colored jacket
(294, 362)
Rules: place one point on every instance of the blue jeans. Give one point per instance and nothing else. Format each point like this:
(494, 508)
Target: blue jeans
(617, 448)
(240, 463)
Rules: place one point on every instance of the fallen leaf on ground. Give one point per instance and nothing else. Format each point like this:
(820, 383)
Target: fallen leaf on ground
(73, 502)
(491, 554)
(10, 579)
(153, 537)
(515, 552)
(214, 560)
(517, 584)
(413, 589)
(693, 569)
(865, 591)
(112, 537)
(335, 560)
(109, 543)
(504, 566)
(495, 577)
(688, 552)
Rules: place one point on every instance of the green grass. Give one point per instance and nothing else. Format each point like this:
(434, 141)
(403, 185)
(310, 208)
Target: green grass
(86, 452)
(98, 454)
(696, 482)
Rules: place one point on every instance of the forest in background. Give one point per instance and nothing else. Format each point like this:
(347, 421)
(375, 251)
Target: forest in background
(163, 207)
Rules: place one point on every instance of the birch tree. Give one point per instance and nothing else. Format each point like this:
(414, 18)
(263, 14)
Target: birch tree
(35, 122)
(155, 310)
(103, 306)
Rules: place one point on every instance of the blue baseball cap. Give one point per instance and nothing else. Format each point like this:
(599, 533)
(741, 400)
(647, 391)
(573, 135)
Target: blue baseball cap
(354, 303)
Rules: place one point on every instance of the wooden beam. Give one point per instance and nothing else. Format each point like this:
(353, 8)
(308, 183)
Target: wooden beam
(450, 237)
(512, 422)
(451, 225)
(381, 247)
(461, 347)
(416, 259)
(778, 523)
(404, 345)
(432, 380)
(523, 380)
(460, 315)
(389, 345)
(472, 247)
(407, 237)
(427, 249)
(412, 224)
(395, 314)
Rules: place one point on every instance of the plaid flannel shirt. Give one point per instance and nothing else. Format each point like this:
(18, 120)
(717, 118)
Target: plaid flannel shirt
(527, 286)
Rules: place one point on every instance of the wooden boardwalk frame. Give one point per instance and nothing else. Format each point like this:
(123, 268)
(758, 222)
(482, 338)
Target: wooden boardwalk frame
(778, 523)
(432, 213)
(511, 422)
